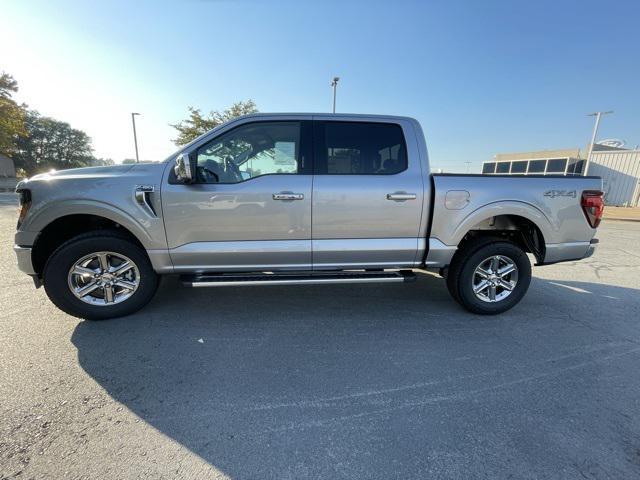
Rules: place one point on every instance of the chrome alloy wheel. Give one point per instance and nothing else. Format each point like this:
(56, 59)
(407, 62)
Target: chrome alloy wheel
(495, 278)
(104, 278)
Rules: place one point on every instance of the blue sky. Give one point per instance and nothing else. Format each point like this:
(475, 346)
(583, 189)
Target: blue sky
(481, 76)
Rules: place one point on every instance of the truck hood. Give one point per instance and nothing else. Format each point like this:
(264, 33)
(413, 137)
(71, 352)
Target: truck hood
(93, 173)
(85, 172)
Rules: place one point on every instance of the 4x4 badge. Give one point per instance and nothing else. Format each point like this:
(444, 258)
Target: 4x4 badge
(560, 193)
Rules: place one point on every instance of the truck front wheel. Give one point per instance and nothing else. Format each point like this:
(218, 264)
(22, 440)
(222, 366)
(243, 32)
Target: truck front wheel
(99, 275)
(489, 275)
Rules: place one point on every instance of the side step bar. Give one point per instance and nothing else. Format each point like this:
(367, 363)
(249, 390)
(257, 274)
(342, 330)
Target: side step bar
(315, 278)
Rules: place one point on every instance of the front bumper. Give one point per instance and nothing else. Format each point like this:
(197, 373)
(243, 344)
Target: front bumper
(24, 259)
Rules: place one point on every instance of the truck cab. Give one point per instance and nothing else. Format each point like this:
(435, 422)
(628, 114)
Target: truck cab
(300, 193)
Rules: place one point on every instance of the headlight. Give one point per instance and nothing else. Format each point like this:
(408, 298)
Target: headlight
(25, 205)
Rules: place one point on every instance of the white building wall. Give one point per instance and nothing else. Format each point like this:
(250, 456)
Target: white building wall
(620, 172)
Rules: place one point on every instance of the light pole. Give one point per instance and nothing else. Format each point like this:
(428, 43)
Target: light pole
(593, 137)
(334, 84)
(135, 137)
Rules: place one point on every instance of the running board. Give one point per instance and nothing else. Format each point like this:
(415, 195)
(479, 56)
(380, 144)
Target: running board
(315, 278)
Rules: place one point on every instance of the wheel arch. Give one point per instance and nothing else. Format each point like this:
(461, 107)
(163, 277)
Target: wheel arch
(518, 222)
(519, 230)
(38, 220)
(66, 227)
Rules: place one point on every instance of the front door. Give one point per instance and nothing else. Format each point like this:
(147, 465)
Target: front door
(367, 196)
(250, 207)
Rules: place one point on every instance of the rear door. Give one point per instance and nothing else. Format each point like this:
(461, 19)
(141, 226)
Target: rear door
(367, 195)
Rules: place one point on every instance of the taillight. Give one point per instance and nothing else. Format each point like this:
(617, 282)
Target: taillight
(593, 206)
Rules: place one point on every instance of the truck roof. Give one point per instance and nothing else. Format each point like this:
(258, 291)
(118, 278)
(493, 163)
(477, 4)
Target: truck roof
(326, 114)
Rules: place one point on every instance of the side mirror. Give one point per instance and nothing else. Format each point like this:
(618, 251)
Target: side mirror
(185, 168)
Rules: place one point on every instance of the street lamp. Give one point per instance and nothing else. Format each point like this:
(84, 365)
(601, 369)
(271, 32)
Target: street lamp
(334, 84)
(135, 137)
(593, 137)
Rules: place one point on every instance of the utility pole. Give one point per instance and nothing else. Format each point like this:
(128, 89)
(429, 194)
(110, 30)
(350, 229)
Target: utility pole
(468, 164)
(135, 137)
(334, 84)
(593, 137)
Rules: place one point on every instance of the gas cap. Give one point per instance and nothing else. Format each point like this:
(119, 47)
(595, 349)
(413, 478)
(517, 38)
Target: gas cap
(456, 199)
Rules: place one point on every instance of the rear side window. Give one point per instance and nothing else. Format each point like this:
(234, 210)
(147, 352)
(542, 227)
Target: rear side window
(359, 148)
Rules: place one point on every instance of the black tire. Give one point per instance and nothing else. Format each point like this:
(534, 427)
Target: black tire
(59, 264)
(461, 274)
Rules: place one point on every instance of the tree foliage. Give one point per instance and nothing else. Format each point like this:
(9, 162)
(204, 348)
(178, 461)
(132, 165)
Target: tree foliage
(38, 143)
(197, 124)
(51, 144)
(12, 115)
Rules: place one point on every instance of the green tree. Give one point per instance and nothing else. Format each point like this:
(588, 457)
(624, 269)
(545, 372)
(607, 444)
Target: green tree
(197, 124)
(12, 115)
(51, 144)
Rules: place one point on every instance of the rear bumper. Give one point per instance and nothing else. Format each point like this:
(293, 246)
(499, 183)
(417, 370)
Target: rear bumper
(24, 259)
(566, 252)
(592, 247)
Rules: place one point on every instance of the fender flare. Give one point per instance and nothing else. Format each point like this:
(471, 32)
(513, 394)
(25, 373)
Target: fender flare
(64, 208)
(509, 207)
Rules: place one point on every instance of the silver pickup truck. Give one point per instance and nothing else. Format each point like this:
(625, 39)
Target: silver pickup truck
(279, 199)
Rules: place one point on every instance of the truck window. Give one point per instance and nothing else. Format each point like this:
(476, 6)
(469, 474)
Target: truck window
(250, 151)
(354, 148)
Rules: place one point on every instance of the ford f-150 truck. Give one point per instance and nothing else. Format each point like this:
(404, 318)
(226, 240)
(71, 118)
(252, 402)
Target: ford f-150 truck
(279, 199)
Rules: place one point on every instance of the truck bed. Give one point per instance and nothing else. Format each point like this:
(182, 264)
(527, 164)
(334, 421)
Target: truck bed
(551, 203)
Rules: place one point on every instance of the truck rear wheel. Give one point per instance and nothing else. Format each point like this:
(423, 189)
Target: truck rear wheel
(489, 276)
(99, 275)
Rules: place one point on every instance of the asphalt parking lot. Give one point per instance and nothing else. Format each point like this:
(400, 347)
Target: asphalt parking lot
(391, 381)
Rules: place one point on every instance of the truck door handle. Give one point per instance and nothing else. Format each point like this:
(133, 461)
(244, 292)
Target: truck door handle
(288, 196)
(401, 196)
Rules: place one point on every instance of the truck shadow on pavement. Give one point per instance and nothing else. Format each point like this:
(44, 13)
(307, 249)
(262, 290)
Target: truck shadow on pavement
(382, 381)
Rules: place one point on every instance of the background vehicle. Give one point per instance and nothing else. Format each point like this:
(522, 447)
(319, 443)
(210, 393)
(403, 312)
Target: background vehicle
(296, 199)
